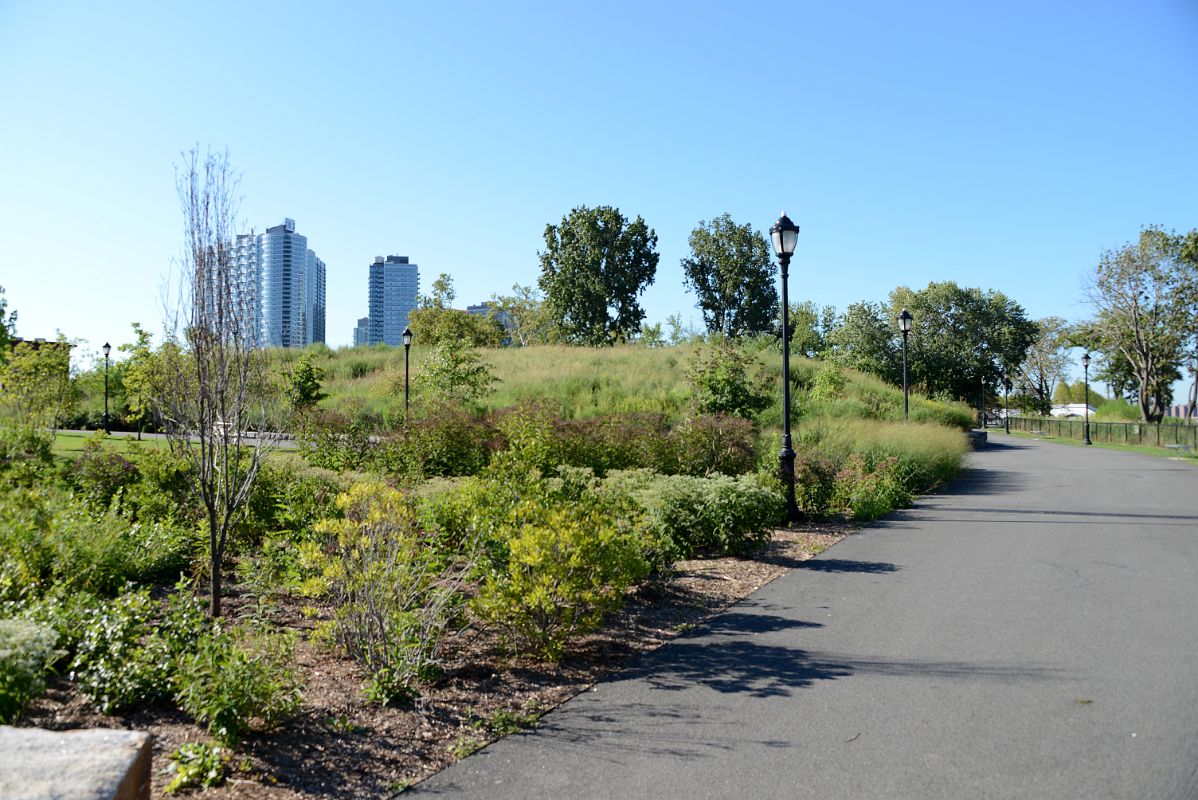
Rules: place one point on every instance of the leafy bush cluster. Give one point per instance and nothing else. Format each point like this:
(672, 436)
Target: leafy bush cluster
(237, 681)
(27, 651)
(49, 539)
(453, 441)
(698, 516)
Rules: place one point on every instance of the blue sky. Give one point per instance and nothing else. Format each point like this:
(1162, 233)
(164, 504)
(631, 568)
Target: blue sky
(1000, 145)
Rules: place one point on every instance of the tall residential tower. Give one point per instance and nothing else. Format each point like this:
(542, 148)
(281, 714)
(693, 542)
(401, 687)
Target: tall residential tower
(393, 286)
(287, 282)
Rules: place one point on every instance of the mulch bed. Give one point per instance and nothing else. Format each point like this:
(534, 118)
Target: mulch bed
(339, 746)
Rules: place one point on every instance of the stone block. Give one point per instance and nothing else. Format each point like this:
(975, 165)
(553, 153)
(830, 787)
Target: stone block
(94, 764)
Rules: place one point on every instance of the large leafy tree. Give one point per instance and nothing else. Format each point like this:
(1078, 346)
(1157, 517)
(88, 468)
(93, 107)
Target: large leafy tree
(864, 339)
(731, 272)
(594, 267)
(1143, 296)
(963, 341)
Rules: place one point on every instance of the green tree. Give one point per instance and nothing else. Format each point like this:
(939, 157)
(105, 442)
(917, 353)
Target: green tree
(523, 315)
(435, 325)
(963, 341)
(455, 372)
(304, 382)
(865, 340)
(1142, 297)
(140, 376)
(810, 327)
(730, 269)
(36, 382)
(594, 267)
(443, 293)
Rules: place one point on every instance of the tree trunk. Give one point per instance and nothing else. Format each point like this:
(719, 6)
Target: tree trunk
(214, 566)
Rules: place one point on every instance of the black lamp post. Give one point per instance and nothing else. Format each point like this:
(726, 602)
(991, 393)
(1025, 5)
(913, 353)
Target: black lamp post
(107, 349)
(407, 344)
(1086, 398)
(982, 413)
(785, 235)
(1006, 405)
(904, 321)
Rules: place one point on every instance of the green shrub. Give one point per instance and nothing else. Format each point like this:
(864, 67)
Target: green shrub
(101, 474)
(48, 537)
(27, 651)
(100, 553)
(703, 516)
(196, 765)
(395, 587)
(566, 567)
(25, 452)
(164, 489)
(338, 442)
(62, 609)
(237, 681)
(455, 372)
(117, 663)
(815, 484)
(829, 383)
(726, 380)
(26, 554)
(449, 440)
(707, 445)
(482, 510)
(287, 501)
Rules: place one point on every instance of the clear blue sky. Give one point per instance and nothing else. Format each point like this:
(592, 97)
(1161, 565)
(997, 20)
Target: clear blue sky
(1000, 145)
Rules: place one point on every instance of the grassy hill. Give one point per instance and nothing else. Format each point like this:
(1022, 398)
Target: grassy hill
(589, 382)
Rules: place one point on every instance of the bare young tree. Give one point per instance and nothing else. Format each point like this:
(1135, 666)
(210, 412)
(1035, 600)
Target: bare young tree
(1046, 363)
(215, 387)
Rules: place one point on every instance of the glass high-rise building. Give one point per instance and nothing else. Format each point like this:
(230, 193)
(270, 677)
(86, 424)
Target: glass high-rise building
(394, 284)
(287, 285)
(362, 332)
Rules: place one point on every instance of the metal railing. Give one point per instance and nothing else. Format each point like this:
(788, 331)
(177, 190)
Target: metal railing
(1149, 434)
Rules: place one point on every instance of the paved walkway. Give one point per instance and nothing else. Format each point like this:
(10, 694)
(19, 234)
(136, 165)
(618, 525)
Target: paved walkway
(1030, 633)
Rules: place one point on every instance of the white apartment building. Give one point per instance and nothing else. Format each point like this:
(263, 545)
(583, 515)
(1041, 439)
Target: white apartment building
(287, 285)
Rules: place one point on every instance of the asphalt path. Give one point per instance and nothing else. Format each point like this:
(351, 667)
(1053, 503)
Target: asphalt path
(1029, 632)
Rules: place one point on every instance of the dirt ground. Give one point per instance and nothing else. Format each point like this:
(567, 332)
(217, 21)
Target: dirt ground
(339, 746)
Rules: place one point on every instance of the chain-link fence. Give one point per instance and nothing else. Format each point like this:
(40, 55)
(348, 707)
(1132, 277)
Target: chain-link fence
(1151, 434)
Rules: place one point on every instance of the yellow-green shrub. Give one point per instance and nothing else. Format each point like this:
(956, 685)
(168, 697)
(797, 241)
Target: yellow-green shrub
(565, 569)
(395, 587)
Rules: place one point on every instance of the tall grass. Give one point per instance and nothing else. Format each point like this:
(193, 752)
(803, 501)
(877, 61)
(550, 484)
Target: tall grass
(927, 453)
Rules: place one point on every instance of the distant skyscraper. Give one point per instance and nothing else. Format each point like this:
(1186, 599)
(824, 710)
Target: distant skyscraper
(393, 286)
(362, 332)
(287, 282)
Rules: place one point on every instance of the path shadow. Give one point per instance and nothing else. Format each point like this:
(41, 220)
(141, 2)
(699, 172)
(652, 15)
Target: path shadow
(846, 565)
(739, 622)
(980, 480)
